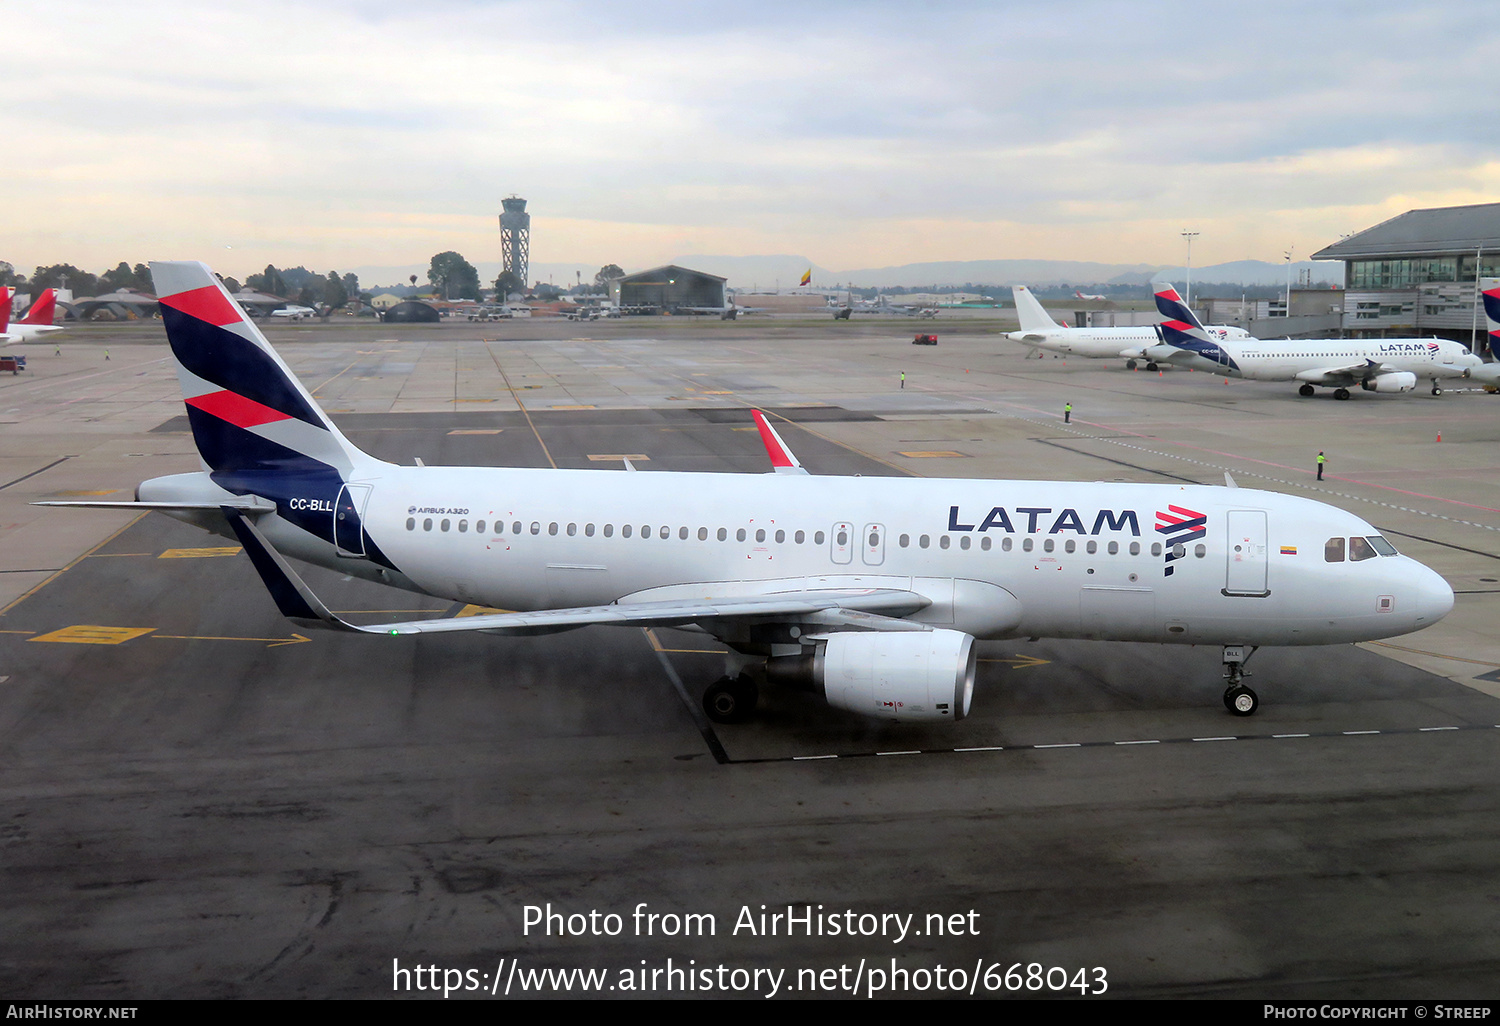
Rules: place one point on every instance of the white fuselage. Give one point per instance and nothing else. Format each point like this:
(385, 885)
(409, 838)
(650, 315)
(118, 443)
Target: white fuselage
(1104, 343)
(27, 332)
(1081, 560)
(1339, 361)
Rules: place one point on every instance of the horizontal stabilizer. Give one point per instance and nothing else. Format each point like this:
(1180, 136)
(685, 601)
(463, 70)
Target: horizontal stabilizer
(254, 505)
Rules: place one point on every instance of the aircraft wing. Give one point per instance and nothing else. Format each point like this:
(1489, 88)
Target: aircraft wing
(877, 609)
(1348, 374)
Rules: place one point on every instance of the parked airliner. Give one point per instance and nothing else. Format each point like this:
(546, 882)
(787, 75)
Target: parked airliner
(868, 590)
(36, 323)
(1376, 365)
(1040, 331)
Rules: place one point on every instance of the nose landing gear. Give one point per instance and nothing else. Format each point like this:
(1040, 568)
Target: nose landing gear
(1238, 698)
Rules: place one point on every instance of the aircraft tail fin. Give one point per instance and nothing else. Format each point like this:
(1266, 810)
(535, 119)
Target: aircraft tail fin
(249, 414)
(1180, 326)
(1029, 310)
(43, 310)
(1490, 292)
(7, 297)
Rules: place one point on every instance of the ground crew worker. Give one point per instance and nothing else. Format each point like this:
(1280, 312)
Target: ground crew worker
(1321, 461)
(903, 379)
(1067, 413)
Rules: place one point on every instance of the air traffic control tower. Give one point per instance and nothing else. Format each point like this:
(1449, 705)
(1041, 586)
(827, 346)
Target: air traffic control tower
(515, 237)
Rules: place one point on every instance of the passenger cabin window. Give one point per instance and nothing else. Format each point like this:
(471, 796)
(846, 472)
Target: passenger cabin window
(1333, 550)
(1360, 549)
(723, 533)
(984, 543)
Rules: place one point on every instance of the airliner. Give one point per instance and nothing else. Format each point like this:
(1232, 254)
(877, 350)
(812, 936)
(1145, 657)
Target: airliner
(1095, 299)
(1376, 365)
(868, 591)
(36, 323)
(294, 312)
(1041, 332)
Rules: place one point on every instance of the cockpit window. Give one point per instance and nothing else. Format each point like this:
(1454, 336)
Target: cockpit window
(1360, 549)
(1382, 546)
(1333, 550)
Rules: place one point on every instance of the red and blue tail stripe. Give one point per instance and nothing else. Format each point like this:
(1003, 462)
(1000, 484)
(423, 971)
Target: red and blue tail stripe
(1491, 298)
(258, 431)
(1181, 328)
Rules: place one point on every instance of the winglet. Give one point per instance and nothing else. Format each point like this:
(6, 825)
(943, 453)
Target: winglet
(781, 457)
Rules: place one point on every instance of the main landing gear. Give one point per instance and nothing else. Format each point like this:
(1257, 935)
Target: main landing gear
(731, 699)
(1238, 698)
(1305, 391)
(1341, 393)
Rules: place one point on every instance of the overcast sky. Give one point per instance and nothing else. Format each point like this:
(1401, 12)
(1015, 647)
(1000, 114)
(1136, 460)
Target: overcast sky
(342, 134)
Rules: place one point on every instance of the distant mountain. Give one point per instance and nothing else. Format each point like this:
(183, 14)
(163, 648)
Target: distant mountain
(1256, 272)
(786, 270)
(766, 271)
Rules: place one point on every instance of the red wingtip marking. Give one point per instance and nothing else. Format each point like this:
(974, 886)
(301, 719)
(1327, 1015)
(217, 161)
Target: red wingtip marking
(779, 456)
(236, 409)
(207, 304)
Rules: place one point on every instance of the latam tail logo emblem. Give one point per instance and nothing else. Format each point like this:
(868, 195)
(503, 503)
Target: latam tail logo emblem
(1178, 526)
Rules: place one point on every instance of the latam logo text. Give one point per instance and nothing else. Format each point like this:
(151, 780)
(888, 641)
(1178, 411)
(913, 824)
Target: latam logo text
(999, 518)
(1408, 347)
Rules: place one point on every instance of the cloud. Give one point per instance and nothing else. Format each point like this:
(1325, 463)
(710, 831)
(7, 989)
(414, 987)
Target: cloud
(343, 134)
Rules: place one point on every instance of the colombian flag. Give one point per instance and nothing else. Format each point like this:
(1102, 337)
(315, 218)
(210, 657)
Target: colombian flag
(806, 277)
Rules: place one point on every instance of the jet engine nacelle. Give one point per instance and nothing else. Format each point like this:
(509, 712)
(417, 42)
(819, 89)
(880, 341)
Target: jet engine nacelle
(902, 675)
(1395, 381)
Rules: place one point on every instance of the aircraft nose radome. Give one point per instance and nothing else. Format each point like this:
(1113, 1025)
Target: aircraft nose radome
(1434, 597)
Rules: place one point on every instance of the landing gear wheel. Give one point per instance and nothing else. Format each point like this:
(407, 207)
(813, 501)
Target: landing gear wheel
(731, 699)
(1305, 391)
(1341, 393)
(1130, 365)
(1435, 389)
(1151, 366)
(1240, 700)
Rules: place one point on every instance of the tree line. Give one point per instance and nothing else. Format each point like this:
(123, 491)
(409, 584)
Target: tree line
(449, 274)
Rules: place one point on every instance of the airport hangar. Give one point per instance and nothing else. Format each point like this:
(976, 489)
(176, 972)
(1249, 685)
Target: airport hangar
(1414, 275)
(667, 289)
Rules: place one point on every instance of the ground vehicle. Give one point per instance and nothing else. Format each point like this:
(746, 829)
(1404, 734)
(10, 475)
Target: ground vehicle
(924, 340)
(14, 364)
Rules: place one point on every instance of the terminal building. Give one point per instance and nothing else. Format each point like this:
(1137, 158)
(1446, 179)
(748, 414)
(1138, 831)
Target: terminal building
(1414, 275)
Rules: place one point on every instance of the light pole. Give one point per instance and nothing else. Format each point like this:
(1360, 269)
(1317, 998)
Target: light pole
(1190, 236)
(1289, 280)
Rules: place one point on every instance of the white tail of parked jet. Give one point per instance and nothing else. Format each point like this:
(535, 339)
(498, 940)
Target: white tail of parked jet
(1030, 312)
